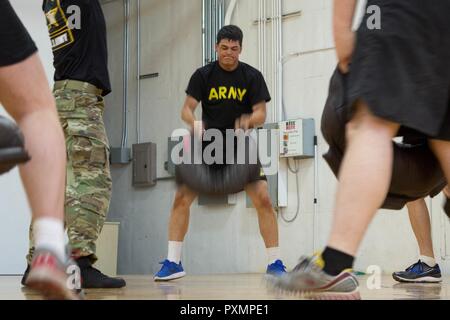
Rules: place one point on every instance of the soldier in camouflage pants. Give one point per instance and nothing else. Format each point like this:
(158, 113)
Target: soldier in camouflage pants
(80, 59)
(88, 184)
(88, 181)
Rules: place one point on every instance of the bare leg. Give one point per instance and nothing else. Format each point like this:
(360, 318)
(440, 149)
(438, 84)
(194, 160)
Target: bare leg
(420, 223)
(364, 178)
(25, 93)
(268, 226)
(179, 217)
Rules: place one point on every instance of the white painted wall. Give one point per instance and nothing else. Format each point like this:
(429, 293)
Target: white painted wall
(226, 239)
(14, 210)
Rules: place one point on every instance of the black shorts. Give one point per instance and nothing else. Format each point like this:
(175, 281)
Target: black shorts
(262, 175)
(402, 71)
(15, 43)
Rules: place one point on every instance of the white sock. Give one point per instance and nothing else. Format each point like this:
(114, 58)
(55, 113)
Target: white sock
(428, 260)
(66, 237)
(273, 254)
(67, 247)
(49, 234)
(174, 252)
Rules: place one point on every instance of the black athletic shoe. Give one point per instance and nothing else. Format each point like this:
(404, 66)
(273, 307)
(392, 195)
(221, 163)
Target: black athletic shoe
(419, 272)
(92, 278)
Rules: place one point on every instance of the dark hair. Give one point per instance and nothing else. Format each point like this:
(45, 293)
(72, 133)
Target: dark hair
(230, 32)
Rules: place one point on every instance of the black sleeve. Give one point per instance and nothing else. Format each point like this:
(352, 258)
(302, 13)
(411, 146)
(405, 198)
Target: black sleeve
(258, 90)
(196, 86)
(15, 42)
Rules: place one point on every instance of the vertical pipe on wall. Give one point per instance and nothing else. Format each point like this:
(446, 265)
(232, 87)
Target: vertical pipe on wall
(274, 55)
(280, 60)
(125, 73)
(316, 194)
(208, 30)
(222, 13)
(213, 30)
(264, 38)
(203, 32)
(138, 62)
(218, 14)
(229, 12)
(216, 23)
(259, 34)
(213, 18)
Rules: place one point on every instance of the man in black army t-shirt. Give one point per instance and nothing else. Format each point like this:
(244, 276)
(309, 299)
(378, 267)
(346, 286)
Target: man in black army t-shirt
(77, 32)
(233, 96)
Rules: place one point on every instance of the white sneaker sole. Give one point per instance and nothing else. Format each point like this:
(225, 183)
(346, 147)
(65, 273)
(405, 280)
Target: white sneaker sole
(418, 280)
(174, 276)
(326, 295)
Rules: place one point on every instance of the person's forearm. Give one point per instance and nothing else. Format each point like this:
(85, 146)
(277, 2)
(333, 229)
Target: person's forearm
(344, 11)
(257, 118)
(188, 117)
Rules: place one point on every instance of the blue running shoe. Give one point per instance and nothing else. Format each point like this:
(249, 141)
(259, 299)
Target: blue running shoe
(276, 269)
(169, 271)
(419, 272)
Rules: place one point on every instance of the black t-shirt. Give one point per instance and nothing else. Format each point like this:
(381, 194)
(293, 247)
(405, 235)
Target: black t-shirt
(15, 43)
(225, 95)
(80, 51)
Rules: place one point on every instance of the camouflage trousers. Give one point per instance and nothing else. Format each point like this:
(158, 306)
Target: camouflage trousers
(88, 179)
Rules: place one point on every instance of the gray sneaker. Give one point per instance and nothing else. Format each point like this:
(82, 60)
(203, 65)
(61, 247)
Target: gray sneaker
(54, 279)
(311, 282)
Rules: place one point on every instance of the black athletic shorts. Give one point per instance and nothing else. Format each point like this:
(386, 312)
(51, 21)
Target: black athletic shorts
(402, 71)
(15, 43)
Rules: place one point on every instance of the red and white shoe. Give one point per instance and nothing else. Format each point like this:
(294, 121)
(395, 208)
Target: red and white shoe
(309, 281)
(54, 279)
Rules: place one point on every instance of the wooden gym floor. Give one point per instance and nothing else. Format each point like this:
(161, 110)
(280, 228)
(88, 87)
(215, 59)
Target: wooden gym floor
(225, 287)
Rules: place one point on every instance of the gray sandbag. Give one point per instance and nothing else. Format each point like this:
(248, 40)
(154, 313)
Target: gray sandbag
(416, 171)
(12, 150)
(218, 179)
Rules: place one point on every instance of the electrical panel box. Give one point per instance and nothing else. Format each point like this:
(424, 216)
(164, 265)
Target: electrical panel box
(120, 156)
(144, 165)
(297, 138)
